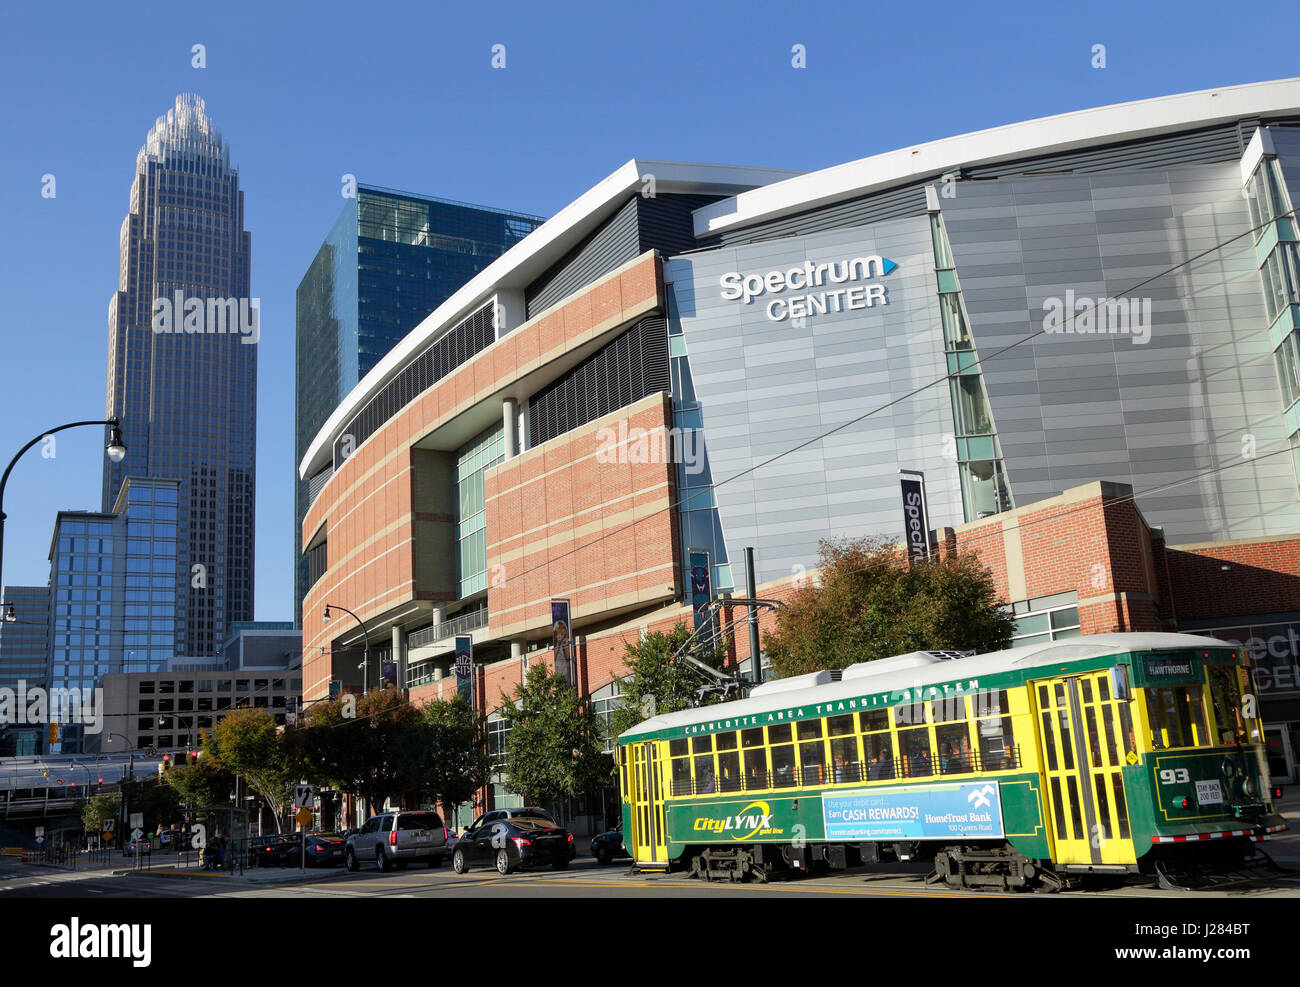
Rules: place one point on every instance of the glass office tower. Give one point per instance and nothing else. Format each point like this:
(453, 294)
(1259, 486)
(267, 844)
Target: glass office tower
(390, 260)
(23, 649)
(182, 371)
(113, 591)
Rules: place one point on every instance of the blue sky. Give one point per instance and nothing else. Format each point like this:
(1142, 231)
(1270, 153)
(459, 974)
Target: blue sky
(404, 95)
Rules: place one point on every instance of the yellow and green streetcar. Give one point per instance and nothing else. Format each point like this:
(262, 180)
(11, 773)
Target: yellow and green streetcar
(1029, 768)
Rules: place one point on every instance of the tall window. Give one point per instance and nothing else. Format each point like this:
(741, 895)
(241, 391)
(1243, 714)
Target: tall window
(483, 452)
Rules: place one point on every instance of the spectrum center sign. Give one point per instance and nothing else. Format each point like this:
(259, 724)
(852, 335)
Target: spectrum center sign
(814, 284)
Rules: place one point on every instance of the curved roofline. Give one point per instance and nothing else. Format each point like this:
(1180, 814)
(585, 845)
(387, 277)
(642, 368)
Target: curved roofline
(894, 678)
(529, 258)
(1031, 138)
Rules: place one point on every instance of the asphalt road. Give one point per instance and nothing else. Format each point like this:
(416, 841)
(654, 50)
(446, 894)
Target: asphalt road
(584, 879)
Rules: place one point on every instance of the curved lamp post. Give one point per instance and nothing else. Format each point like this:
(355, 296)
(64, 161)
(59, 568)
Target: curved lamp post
(115, 448)
(365, 662)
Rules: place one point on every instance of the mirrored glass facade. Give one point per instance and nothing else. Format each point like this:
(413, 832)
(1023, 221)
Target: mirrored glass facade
(182, 371)
(390, 259)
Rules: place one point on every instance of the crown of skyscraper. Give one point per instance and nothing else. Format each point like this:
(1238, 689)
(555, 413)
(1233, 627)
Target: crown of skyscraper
(185, 132)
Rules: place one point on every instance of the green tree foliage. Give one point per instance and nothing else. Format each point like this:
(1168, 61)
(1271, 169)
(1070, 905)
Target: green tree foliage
(353, 744)
(553, 749)
(205, 783)
(160, 803)
(245, 743)
(101, 813)
(656, 685)
(871, 605)
(442, 755)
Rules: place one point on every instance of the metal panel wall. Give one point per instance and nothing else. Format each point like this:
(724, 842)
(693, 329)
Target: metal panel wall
(615, 243)
(766, 387)
(1071, 408)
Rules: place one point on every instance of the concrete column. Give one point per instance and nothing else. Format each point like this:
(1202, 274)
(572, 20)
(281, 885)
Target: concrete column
(510, 421)
(439, 613)
(517, 653)
(399, 654)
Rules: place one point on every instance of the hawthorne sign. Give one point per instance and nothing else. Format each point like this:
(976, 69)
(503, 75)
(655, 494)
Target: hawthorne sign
(814, 282)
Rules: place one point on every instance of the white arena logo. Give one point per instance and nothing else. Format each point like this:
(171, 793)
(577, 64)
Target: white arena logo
(807, 278)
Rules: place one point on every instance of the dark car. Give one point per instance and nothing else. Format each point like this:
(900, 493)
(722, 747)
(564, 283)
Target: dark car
(608, 847)
(325, 849)
(272, 851)
(511, 844)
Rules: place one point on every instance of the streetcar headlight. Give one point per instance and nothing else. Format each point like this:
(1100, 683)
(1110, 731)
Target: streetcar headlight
(1249, 787)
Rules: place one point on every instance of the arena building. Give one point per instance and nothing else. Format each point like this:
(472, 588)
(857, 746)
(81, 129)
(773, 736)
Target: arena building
(1081, 318)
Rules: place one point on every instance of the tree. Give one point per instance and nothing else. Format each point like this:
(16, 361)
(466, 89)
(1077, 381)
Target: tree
(245, 742)
(442, 754)
(553, 749)
(656, 685)
(353, 744)
(100, 813)
(158, 801)
(871, 605)
(204, 783)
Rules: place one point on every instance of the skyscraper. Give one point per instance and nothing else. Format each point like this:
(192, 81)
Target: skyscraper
(182, 370)
(23, 647)
(390, 260)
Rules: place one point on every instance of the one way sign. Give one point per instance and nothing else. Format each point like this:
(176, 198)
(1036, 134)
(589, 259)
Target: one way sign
(303, 796)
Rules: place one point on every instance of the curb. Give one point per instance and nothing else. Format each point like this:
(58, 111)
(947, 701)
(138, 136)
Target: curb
(296, 878)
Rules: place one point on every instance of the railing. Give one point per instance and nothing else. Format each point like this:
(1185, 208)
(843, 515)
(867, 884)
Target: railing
(848, 773)
(448, 628)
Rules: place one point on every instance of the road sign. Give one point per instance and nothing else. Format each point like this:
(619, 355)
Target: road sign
(137, 833)
(137, 820)
(40, 830)
(151, 751)
(40, 840)
(303, 796)
(304, 817)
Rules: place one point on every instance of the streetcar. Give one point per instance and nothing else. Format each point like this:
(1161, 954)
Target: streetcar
(1031, 768)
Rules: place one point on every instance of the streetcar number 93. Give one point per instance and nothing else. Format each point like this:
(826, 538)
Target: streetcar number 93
(1173, 776)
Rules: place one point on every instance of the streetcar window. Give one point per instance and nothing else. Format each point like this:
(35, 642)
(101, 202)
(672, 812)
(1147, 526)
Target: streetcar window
(727, 741)
(839, 725)
(681, 776)
(809, 729)
(704, 784)
(677, 748)
(756, 767)
(914, 748)
(997, 750)
(812, 762)
(844, 759)
(1049, 742)
(880, 757)
(909, 713)
(1067, 743)
(1174, 715)
(953, 741)
(948, 709)
(1225, 699)
(729, 771)
(783, 775)
(752, 737)
(993, 703)
(876, 719)
(702, 745)
(779, 734)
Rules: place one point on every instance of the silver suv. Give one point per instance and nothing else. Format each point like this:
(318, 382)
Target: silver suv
(394, 839)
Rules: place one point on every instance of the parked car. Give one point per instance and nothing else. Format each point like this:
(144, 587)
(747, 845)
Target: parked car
(395, 839)
(608, 847)
(325, 849)
(509, 844)
(272, 851)
(135, 847)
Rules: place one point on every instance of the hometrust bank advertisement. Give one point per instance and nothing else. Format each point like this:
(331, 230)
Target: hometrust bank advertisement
(934, 812)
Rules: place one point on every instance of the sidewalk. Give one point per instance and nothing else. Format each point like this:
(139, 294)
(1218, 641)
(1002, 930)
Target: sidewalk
(251, 875)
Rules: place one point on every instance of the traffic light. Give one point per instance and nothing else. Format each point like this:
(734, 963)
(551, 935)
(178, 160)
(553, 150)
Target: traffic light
(54, 733)
(192, 758)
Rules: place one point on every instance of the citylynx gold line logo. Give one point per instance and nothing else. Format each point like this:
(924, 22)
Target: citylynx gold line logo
(753, 820)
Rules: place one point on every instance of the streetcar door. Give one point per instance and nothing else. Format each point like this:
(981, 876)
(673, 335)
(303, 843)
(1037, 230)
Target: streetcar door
(647, 805)
(1085, 734)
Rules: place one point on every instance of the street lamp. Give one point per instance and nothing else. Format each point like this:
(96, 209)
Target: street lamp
(365, 661)
(115, 448)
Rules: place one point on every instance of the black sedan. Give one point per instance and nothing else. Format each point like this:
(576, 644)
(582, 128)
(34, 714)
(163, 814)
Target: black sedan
(608, 847)
(511, 844)
(325, 849)
(273, 851)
